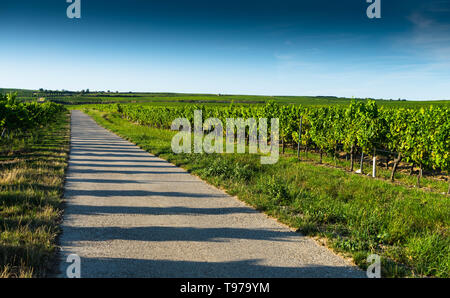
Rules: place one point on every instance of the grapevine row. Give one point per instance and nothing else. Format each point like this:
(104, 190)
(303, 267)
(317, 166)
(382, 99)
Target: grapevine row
(18, 116)
(419, 136)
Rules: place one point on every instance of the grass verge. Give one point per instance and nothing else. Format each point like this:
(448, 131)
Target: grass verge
(31, 186)
(434, 182)
(355, 214)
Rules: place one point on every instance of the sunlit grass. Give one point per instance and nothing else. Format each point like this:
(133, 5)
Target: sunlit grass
(356, 214)
(31, 187)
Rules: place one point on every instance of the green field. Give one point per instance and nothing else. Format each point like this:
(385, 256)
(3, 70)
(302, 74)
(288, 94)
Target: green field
(225, 139)
(355, 214)
(186, 98)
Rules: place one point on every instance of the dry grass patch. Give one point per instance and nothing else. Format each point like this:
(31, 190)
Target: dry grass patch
(31, 188)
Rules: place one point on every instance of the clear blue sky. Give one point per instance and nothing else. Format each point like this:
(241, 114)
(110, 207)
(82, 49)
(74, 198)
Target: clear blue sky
(278, 47)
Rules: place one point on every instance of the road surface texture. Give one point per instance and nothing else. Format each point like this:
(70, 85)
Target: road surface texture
(131, 214)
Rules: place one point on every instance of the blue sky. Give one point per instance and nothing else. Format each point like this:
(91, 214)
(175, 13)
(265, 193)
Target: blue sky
(294, 47)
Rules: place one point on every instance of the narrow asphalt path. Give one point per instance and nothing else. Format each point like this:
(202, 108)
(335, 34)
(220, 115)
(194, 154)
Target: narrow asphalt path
(131, 214)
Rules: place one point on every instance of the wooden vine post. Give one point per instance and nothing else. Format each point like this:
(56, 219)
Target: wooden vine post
(448, 191)
(361, 166)
(374, 165)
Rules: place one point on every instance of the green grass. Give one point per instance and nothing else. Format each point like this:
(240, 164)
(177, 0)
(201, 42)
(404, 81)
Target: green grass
(31, 186)
(430, 181)
(355, 214)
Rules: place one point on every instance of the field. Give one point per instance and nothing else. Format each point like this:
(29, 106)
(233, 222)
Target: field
(179, 141)
(401, 214)
(76, 98)
(418, 136)
(354, 214)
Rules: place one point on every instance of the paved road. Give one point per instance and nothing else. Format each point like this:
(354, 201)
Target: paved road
(131, 214)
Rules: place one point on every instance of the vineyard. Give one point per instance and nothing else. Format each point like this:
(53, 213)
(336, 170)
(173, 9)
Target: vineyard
(18, 117)
(33, 158)
(418, 136)
(406, 226)
(262, 142)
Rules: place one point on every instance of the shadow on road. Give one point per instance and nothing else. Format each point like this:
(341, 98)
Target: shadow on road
(105, 210)
(161, 233)
(139, 193)
(250, 268)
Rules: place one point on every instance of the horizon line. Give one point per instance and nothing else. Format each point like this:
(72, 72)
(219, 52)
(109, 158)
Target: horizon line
(226, 94)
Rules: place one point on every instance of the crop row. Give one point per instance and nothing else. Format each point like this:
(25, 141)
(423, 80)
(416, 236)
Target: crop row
(420, 136)
(18, 116)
